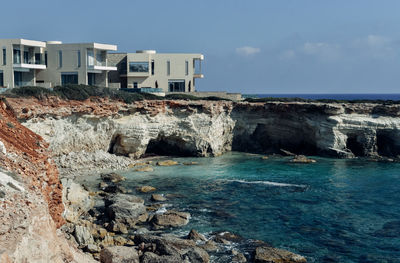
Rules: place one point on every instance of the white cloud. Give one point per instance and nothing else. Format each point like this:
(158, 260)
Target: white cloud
(324, 51)
(376, 46)
(287, 54)
(376, 41)
(247, 51)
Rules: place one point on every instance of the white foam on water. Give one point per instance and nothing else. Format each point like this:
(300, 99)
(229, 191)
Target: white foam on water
(265, 183)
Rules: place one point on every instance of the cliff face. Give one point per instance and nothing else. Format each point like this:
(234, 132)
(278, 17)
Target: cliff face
(204, 128)
(30, 198)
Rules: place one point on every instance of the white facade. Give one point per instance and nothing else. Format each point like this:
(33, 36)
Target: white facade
(148, 71)
(21, 61)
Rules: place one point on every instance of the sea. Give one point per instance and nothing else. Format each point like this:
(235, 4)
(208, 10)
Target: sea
(314, 96)
(334, 210)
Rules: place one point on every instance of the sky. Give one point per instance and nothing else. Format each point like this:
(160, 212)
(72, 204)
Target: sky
(253, 46)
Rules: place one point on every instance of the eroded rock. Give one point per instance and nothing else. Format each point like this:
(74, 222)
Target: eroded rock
(119, 254)
(170, 219)
(275, 255)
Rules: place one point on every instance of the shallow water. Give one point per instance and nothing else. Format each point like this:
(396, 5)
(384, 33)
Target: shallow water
(329, 211)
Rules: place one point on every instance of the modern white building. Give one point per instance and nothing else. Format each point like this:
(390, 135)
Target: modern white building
(148, 71)
(53, 63)
(21, 61)
(78, 63)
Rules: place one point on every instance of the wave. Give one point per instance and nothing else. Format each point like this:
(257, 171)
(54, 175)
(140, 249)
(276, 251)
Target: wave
(264, 182)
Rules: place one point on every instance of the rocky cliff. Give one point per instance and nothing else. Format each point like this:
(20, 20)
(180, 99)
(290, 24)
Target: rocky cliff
(205, 128)
(30, 198)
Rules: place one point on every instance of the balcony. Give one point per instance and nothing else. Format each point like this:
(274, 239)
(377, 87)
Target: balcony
(29, 66)
(103, 65)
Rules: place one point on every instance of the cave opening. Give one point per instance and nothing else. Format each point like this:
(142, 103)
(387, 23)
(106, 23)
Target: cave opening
(115, 141)
(168, 147)
(387, 144)
(271, 139)
(354, 145)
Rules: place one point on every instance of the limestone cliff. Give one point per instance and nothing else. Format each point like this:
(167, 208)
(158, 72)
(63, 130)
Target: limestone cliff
(204, 128)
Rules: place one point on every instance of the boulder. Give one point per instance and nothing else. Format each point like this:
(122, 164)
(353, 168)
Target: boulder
(83, 236)
(112, 177)
(150, 257)
(115, 188)
(196, 236)
(119, 254)
(210, 246)
(146, 189)
(76, 200)
(238, 257)
(275, 255)
(167, 163)
(158, 198)
(126, 209)
(170, 219)
(302, 159)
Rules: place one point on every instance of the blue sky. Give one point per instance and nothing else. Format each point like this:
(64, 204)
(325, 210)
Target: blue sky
(259, 46)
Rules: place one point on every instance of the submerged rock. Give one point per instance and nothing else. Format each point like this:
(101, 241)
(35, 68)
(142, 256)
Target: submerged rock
(302, 159)
(275, 255)
(170, 219)
(158, 198)
(146, 189)
(119, 254)
(144, 169)
(167, 163)
(112, 177)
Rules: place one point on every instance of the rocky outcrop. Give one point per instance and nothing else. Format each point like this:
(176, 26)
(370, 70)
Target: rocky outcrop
(204, 128)
(275, 255)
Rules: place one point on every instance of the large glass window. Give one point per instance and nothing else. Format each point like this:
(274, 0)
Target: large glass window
(38, 58)
(69, 78)
(17, 56)
(1, 79)
(186, 67)
(138, 66)
(26, 57)
(168, 68)
(4, 56)
(18, 79)
(90, 57)
(45, 58)
(79, 58)
(152, 67)
(60, 59)
(176, 85)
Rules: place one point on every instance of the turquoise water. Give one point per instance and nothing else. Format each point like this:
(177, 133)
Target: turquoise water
(329, 211)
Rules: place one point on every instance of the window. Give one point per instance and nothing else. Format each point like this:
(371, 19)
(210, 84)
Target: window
(79, 58)
(176, 85)
(138, 66)
(45, 58)
(60, 59)
(26, 57)
(90, 58)
(91, 79)
(38, 58)
(69, 78)
(1, 79)
(168, 68)
(135, 85)
(18, 79)
(186, 67)
(4, 56)
(152, 67)
(17, 56)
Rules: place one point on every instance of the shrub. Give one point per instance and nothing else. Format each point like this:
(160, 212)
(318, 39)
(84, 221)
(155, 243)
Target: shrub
(31, 91)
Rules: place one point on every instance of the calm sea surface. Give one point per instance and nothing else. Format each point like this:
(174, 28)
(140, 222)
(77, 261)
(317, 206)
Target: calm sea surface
(330, 211)
(332, 96)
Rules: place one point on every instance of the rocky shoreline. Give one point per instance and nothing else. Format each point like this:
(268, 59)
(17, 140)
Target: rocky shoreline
(110, 223)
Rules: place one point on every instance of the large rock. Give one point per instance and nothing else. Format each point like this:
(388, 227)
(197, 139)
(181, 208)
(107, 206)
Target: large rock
(150, 257)
(172, 249)
(167, 163)
(126, 209)
(275, 255)
(83, 235)
(119, 254)
(76, 200)
(170, 219)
